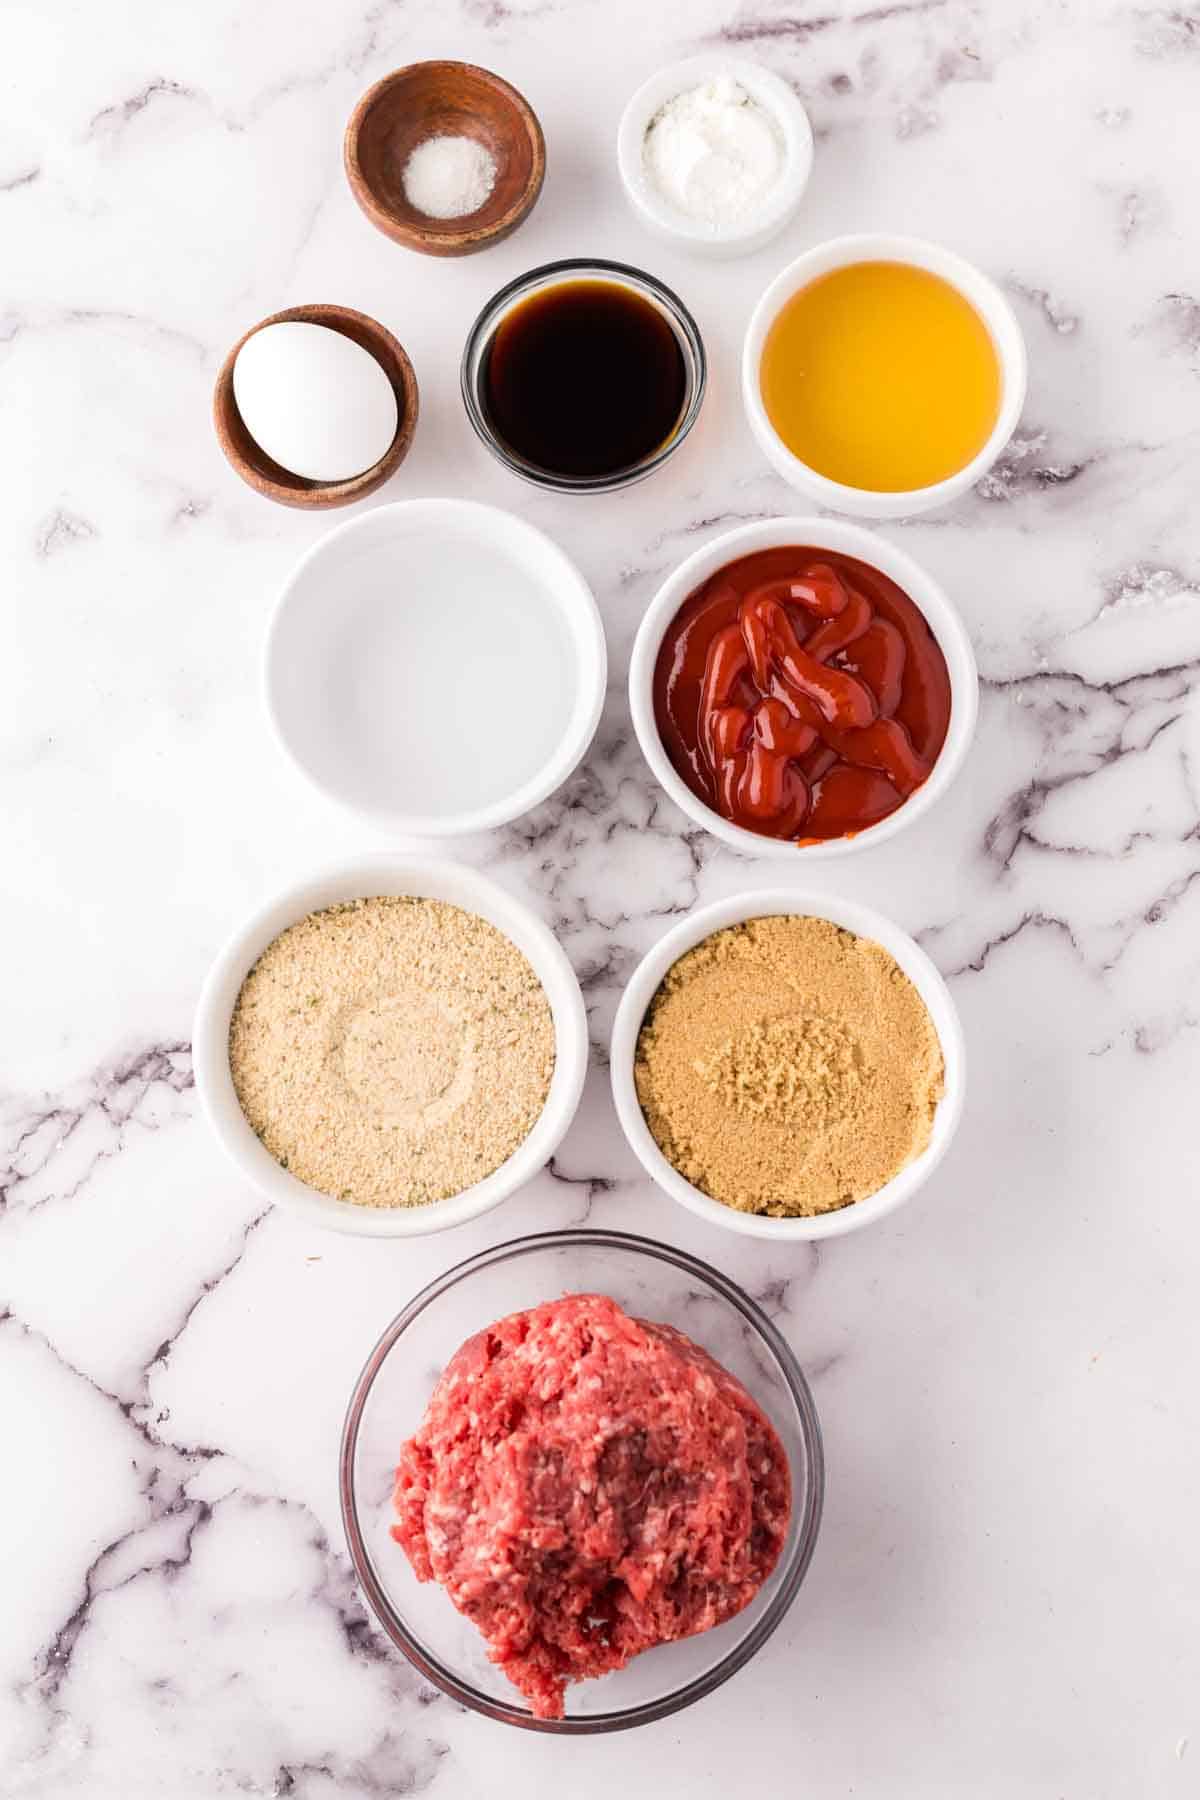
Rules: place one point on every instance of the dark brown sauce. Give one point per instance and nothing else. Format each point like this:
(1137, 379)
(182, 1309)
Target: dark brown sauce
(584, 379)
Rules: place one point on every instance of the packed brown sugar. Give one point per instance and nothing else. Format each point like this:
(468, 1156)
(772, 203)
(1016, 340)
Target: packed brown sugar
(392, 1051)
(788, 1067)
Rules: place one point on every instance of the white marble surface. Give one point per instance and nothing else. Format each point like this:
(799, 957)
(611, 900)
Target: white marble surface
(1005, 1596)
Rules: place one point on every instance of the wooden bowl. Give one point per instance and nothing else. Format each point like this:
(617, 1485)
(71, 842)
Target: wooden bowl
(264, 475)
(443, 99)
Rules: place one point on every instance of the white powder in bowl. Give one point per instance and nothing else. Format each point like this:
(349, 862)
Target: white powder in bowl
(713, 152)
(449, 177)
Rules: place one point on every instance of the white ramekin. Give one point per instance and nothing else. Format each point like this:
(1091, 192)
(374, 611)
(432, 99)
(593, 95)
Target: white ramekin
(842, 536)
(988, 302)
(314, 661)
(429, 879)
(644, 984)
(758, 224)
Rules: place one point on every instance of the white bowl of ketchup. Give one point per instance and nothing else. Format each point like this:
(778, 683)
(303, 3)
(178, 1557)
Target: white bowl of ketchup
(841, 538)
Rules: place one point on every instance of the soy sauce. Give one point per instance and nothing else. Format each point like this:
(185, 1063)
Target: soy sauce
(585, 378)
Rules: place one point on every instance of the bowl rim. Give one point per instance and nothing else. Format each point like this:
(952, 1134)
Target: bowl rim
(975, 287)
(847, 538)
(444, 236)
(365, 877)
(585, 628)
(758, 224)
(808, 1523)
(865, 922)
(620, 274)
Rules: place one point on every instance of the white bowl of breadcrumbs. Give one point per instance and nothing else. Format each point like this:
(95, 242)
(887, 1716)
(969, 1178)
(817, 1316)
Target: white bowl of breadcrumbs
(392, 1047)
(788, 1065)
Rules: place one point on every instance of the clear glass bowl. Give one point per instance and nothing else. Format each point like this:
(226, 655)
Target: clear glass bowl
(652, 1281)
(474, 364)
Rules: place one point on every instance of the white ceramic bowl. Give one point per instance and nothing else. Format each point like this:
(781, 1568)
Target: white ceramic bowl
(644, 984)
(429, 879)
(988, 302)
(820, 534)
(757, 225)
(437, 666)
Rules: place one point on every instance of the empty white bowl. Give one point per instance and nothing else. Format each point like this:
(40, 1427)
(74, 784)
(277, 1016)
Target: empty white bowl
(437, 665)
(864, 922)
(819, 534)
(984, 296)
(432, 880)
(758, 223)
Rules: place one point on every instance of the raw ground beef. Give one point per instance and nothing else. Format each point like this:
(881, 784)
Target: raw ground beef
(586, 1485)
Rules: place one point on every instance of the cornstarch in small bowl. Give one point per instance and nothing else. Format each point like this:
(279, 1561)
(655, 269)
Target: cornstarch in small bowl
(713, 152)
(788, 1067)
(392, 1051)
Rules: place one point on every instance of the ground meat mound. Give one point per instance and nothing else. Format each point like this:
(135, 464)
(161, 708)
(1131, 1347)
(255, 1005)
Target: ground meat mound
(586, 1485)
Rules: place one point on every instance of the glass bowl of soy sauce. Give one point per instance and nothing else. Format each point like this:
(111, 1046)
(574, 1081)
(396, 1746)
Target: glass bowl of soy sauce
(583, 376)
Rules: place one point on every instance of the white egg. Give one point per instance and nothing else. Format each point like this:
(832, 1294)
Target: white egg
(316, 402)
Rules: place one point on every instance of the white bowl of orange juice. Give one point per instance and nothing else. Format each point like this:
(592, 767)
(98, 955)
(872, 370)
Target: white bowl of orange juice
(882, 375)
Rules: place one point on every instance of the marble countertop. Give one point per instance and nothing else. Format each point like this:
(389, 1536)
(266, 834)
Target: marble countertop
(1005, 1598)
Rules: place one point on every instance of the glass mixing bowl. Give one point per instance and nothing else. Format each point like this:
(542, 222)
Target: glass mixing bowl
(652, 1281)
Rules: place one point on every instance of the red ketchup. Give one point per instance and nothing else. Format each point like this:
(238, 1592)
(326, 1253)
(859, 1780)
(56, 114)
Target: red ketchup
(801, 694)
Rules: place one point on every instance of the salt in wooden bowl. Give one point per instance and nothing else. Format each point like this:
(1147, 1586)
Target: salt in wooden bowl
(443, 99)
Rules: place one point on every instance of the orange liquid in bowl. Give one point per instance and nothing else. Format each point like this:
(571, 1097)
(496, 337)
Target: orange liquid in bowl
(882, 376)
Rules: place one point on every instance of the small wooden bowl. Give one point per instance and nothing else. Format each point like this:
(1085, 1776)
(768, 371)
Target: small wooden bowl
(443, 99)
(265, 476)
